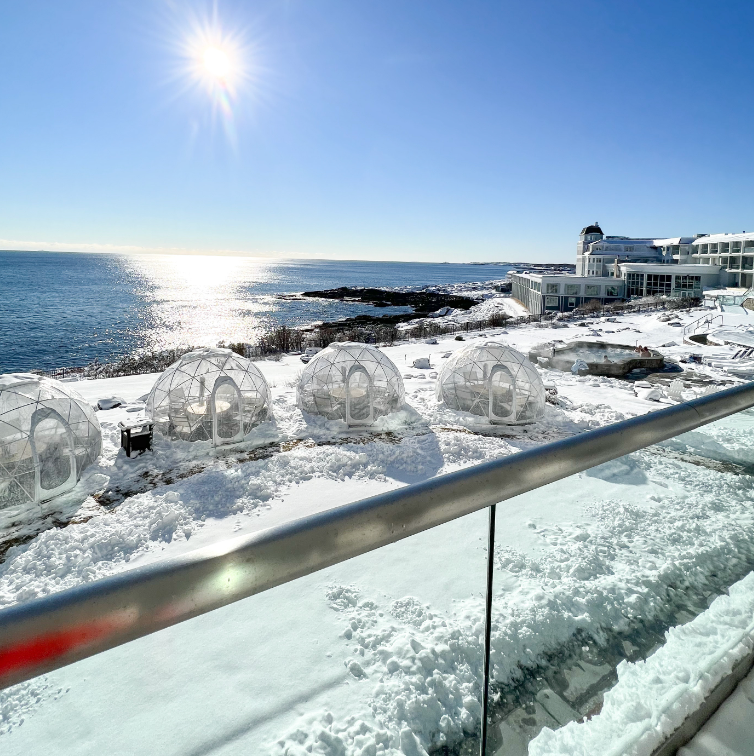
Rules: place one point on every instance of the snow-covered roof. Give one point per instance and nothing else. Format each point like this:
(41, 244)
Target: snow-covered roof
(568, 277)
(673, 240)
(607, 246)
(670, 268)
(629, 239)
(715, 238)
(648, 242)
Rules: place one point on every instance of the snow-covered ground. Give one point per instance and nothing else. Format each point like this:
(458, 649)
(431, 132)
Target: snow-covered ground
(380, 654)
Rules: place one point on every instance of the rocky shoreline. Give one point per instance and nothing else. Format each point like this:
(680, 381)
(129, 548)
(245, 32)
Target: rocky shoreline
(423, 303)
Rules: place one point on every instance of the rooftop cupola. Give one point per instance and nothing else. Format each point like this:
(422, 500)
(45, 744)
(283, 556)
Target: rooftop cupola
(593, 229)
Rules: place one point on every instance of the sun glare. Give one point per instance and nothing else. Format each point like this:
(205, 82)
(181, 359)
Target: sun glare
(217, 65)
(216, 62)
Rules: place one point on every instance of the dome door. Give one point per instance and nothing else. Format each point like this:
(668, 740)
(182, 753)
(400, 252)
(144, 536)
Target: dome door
(17, 468)
(54, 456)
(502, 388)
(359, 408)
(227, 415)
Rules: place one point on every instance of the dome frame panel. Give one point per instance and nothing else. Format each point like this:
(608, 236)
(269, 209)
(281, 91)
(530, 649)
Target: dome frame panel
(184, 402)
(495, 381)
(48, 436)
(352, 382)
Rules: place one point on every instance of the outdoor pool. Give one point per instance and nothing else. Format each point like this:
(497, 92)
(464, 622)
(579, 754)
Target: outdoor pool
(615, 360)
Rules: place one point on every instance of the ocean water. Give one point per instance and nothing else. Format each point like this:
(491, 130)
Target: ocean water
(66, 309)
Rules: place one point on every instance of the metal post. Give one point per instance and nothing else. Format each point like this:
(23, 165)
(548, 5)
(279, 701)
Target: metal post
(488, 628)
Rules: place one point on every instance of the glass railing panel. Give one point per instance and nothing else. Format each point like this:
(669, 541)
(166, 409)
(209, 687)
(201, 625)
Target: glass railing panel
(592, 570)
(383, 651)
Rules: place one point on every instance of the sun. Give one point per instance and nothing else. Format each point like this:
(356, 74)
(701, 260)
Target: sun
(216, 62)
(216, 65)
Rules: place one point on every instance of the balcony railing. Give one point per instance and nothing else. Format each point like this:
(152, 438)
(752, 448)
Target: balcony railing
(64, 628)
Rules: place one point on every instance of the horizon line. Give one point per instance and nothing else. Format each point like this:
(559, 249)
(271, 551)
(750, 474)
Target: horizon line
(180, 251)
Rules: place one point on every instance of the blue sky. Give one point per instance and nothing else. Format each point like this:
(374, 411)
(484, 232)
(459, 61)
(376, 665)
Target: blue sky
(412, 130)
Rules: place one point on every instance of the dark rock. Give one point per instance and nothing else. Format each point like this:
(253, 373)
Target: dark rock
(422, 301)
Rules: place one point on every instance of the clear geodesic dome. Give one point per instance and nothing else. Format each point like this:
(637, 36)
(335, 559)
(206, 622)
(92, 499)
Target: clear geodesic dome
(209, 395)
(353, 382)
(48, 436)
(494, 381)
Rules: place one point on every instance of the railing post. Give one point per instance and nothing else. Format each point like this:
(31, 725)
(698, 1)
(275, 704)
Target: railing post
(488, 628)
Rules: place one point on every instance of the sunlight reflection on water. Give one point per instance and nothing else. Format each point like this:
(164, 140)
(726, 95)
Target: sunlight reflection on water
(202, 300)
(67, 309)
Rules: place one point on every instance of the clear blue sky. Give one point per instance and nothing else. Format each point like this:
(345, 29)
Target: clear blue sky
(409, 130)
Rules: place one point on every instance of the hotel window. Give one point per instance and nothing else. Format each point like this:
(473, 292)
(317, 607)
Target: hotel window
(724, 262)
(736, 247)
(688, 283)
(659, 283)
(713, 248)
(591, 291)
(611, 291)
(635, 284)
(748, 263)
(702, 249)
(628, 248)
(551, 301)
(553, 288)
(572, 289)
(735, 263)
(572, 301)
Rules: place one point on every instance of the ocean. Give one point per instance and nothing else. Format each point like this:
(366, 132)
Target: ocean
(66, 309)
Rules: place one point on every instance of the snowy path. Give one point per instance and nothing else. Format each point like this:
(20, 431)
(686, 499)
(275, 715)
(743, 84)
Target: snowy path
(390, 639)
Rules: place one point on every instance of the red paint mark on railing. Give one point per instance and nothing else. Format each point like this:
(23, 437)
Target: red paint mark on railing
(32, 653)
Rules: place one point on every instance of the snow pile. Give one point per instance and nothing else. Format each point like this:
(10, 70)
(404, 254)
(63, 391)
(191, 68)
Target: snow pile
(493, 304)
(426, 667)
(489, 307)
(654, 697)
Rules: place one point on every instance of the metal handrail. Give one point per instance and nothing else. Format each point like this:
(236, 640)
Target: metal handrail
(705, 320)
(51, 632)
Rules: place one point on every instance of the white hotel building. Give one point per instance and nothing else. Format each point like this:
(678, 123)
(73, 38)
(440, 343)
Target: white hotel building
(610, 268)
